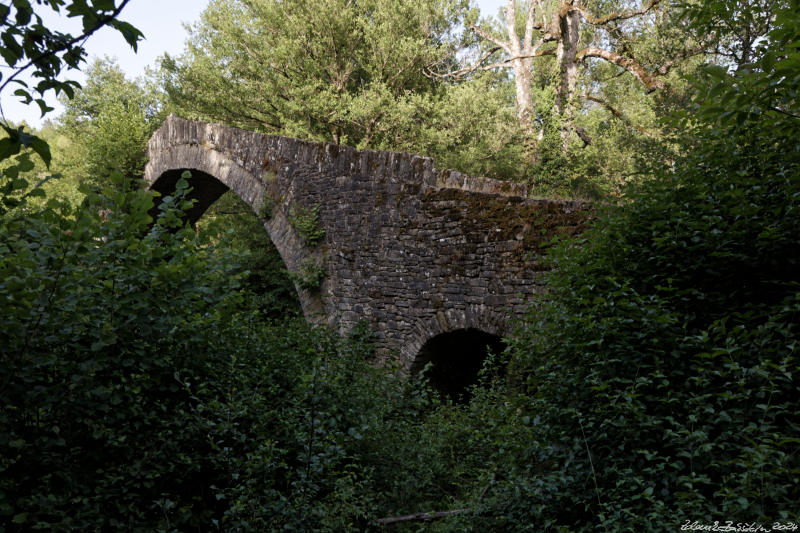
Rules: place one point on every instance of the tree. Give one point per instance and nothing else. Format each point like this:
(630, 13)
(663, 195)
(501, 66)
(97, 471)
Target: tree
(319, 69)
(28, 45)
(108, 123)
(548, 43)
(662, 372)
(734, 32)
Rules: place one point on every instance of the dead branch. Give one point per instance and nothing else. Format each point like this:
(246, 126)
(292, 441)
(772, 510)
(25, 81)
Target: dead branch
(466, 70)
(505, 63)
(583, 135)
(420, 517)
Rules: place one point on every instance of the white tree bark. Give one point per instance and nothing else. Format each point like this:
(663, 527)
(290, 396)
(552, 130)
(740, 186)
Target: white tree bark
(563, 29)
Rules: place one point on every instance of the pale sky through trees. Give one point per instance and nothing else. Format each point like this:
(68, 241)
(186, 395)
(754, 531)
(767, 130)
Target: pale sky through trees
(161, 22)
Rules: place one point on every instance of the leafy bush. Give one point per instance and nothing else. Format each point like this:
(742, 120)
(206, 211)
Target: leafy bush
(267, 206)
(140, 392)
(662, 375)
(230, 224)
(106, 325)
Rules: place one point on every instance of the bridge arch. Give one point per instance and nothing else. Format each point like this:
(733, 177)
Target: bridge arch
(413, 251)
(453, 360)
(214, 174)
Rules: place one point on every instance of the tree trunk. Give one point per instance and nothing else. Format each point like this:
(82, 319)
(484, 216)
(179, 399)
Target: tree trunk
(522, 65)
(566, 57)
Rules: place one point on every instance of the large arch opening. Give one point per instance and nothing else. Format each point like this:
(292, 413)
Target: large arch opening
(206, 190)
(222, 219)
(454, 359)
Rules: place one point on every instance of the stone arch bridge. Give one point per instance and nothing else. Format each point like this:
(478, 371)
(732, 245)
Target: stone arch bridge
(416, 252)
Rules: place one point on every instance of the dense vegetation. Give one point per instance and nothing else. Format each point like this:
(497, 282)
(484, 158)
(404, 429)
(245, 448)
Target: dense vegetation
(158, 378)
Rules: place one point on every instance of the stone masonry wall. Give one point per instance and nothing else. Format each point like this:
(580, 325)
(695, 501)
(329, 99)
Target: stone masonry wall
(412, 250)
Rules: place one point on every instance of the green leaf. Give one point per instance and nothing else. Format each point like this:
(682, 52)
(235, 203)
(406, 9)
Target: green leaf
(25, 95)
(24, 12)
(43, 149)
(716, 72)
(131, 34)
(103, 5)
(9, 147)
(25, 164)
(43, 107)
(12, 51)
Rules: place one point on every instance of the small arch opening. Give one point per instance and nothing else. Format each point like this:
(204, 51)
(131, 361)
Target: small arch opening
(456, 358)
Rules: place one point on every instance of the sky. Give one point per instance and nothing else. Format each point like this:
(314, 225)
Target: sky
(162, 23)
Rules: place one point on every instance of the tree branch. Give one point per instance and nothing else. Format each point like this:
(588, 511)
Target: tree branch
(466, 70)
(101, 21)
(511, 29)
(599, 21)
(505, 63)
(650, 82)
(489, 37)
(664, 69)
(530, 25)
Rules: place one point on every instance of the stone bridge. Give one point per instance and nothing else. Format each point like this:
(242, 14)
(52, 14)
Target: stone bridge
(431, 259)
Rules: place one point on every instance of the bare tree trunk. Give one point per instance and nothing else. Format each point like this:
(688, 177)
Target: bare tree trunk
(562, 28)
(522, 52)
(567, 60)
(521, 64)
(522, 79)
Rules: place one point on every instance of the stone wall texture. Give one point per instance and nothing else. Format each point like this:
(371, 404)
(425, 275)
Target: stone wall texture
(412, 250)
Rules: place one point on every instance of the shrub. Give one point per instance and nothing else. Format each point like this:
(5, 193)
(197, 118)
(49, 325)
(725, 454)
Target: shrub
(138, 391)
(108, 325)
(662, 372)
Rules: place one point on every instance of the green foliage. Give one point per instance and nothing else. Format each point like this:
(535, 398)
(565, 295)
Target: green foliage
(469, 127)
(108, 123)
(309, 275)
(16, 139)
(141, 391)
(138, 393)
(92, 366)
(662, 375)
(305, 221)
(29, 44)
(268, 204)
(231, 225)
(350, 62)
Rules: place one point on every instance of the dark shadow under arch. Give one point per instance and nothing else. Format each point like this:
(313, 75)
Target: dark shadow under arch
(206, 189)
(456, 358)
